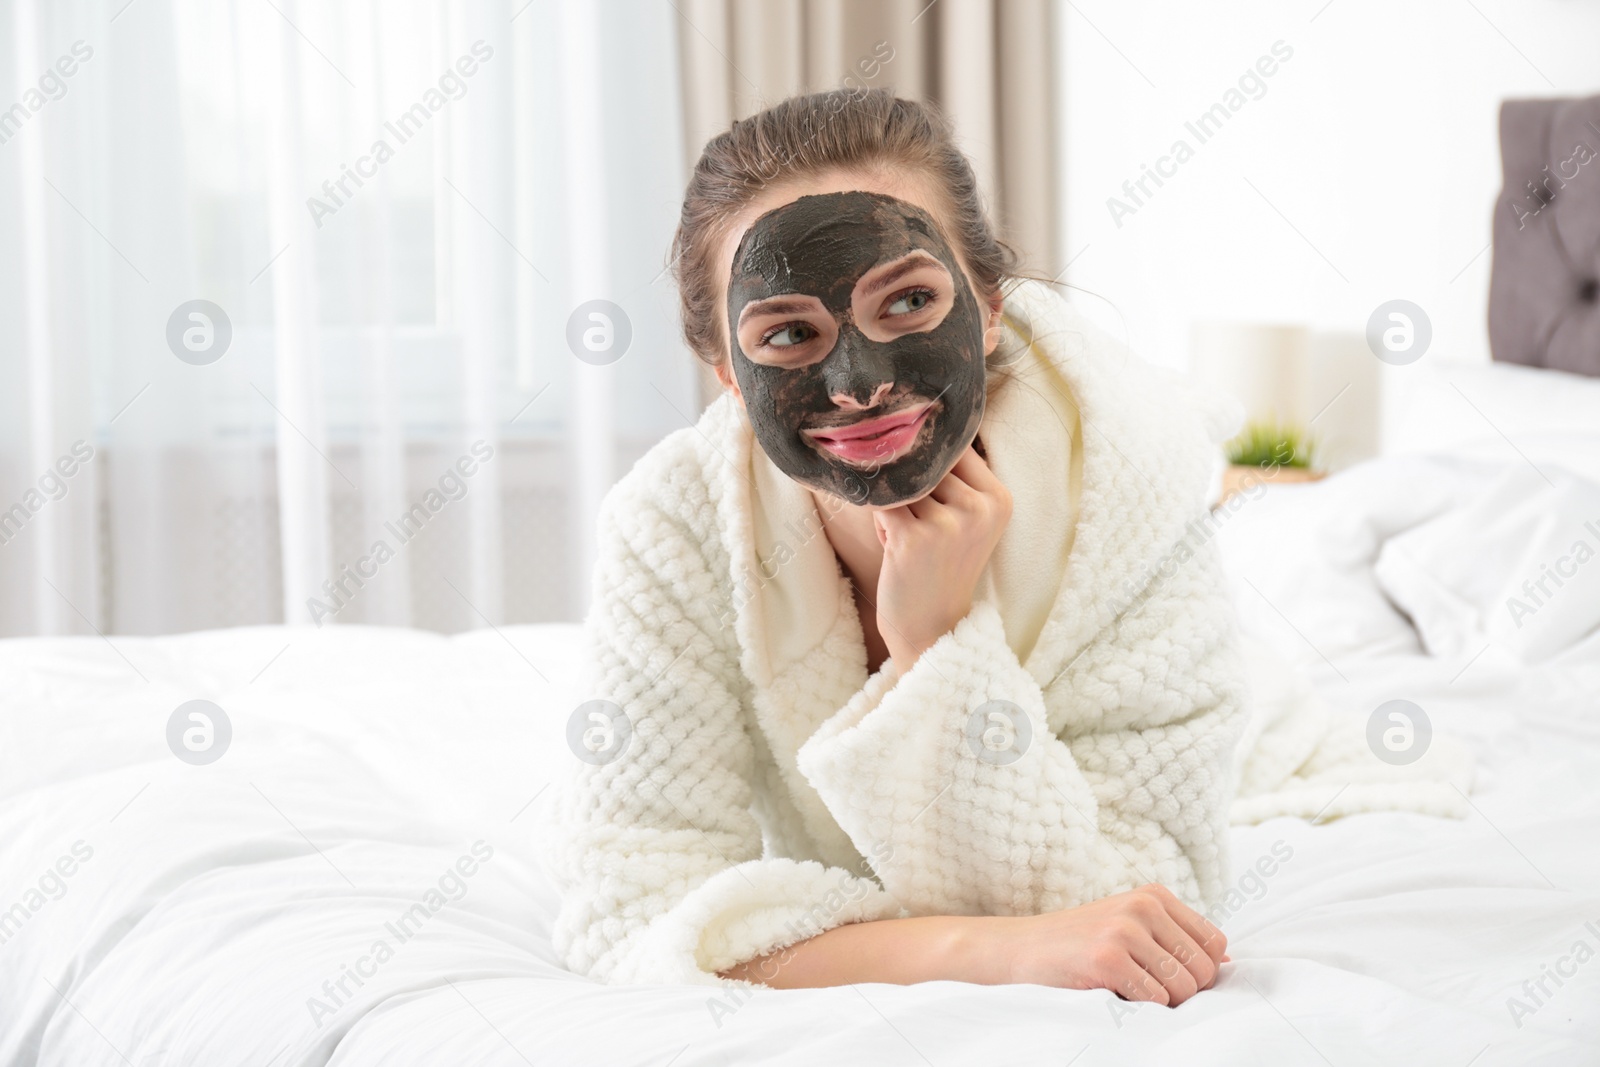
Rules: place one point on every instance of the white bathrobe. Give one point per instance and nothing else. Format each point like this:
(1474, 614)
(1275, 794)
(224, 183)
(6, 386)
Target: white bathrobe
(1076, 735)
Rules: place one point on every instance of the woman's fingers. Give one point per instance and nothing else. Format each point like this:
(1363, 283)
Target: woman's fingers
(892, 522)
(954, 492)
(1133, 982)
(924, 509)
(962, 488)
(972, 469)
(892, 517)
(969, 483)
(880, 525)
(1204, 932)
(1166, 969)
(1181, 947)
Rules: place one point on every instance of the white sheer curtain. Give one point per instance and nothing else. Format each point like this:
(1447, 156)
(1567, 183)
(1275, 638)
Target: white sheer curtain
(398, 208)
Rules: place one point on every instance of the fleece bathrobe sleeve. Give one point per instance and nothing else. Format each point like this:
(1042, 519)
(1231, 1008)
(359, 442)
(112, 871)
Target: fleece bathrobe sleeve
(656, 852)
(992, 794)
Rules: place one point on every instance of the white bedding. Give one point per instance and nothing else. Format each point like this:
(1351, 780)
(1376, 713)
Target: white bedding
(366, 763)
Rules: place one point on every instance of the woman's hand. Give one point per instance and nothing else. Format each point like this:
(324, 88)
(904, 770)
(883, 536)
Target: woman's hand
(934, 551)
(1144, 944)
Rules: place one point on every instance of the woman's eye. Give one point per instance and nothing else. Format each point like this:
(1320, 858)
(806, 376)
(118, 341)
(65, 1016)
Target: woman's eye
(788, 335)
(911, 300)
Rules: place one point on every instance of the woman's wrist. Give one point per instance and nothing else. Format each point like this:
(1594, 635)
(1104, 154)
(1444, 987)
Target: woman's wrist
(906, 648)
(971, 952)
(905, 651)
(905, 657)
(932, 948)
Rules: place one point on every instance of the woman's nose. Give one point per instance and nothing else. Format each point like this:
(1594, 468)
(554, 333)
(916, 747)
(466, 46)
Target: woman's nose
(850, 403)
(858, 373)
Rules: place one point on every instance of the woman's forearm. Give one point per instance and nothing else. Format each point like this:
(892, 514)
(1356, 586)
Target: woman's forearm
(1143, 944)
(894, 951)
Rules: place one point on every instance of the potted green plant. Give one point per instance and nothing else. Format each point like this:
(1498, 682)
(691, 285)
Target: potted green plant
(1269, 451)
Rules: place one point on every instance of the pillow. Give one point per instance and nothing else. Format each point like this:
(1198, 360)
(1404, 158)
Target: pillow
(1494, 411)
(1300, 557)
(1518, 567)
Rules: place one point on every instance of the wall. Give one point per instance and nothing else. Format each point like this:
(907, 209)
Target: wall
(1365, 171)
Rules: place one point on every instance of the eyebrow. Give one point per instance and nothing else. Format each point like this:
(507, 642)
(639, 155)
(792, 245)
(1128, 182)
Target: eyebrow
(913, 260)
(778, 305)
(775, 305)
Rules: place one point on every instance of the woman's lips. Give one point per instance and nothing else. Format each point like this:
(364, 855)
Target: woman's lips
(873, 442)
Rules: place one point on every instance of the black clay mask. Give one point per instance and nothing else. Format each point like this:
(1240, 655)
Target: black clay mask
(861, 353)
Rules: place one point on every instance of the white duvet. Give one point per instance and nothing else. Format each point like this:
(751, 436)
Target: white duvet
(352, 882)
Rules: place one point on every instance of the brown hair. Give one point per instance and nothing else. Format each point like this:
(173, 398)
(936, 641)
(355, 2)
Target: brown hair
(856, 130)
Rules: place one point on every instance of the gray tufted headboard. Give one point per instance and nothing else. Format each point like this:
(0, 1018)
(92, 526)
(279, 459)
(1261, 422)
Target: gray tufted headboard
(1544, 287)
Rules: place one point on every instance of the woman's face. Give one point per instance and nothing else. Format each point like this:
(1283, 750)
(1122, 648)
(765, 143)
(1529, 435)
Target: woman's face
(858, 339)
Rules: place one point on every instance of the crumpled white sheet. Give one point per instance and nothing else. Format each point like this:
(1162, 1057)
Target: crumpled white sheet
(1303, 562)
(1299, 756)
(1517, 565)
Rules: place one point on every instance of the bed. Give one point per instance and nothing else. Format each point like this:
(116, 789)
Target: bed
(287, 846)
(352, 880)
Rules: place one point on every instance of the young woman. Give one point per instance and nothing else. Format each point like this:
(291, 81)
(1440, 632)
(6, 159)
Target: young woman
(918, 669)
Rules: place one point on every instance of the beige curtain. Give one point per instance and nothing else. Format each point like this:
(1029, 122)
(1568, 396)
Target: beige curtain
(987, 63)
